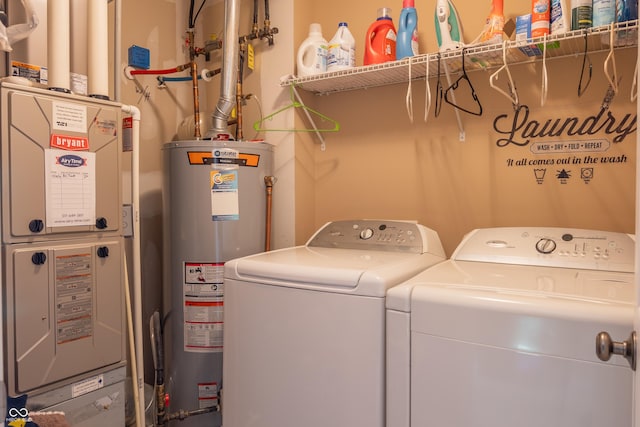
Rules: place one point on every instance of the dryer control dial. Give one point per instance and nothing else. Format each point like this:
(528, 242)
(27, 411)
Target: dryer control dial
(546, 245)
(366, 234)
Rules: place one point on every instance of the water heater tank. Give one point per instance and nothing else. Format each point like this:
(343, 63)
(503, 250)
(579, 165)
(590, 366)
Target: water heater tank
(215, 201)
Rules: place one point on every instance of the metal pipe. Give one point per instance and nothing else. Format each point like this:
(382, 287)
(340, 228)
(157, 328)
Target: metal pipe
(229, 69)
(183, 414)
(268, 181)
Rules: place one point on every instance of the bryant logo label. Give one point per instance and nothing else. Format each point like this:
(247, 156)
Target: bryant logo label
(72, 143)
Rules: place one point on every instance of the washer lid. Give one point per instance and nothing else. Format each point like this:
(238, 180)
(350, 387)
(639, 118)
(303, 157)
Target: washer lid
(361, 272)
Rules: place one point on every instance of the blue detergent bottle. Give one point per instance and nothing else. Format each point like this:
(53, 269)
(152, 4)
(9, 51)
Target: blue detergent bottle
(407, 38)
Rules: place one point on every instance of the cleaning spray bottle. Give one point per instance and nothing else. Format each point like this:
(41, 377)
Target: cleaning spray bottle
(380, 43)
(407, 43)
(312, 53)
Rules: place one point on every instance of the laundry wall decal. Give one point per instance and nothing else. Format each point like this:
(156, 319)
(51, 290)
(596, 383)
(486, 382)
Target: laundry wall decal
(520, 129)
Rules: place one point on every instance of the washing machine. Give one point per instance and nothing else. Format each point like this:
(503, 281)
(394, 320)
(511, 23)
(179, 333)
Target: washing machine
(503, 333)
(304, 341)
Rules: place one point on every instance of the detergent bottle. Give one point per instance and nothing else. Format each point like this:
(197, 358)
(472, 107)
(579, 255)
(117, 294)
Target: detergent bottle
(341, 52)
(380, 43)
(407, 43)
(312, 53)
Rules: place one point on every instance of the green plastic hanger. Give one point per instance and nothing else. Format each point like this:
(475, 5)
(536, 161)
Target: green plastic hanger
(296, 102)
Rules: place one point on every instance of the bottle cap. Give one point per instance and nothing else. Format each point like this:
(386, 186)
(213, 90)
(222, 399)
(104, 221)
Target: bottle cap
(408, 3)
(342, 24)
(384, 13)
(315, 28)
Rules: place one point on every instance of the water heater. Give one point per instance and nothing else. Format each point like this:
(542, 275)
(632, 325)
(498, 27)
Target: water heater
(215, 204)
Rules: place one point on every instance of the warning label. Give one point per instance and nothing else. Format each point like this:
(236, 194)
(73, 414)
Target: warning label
(203, 291)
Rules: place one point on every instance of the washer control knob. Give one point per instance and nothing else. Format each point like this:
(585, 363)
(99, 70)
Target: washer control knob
(546, 245)
(366, 234)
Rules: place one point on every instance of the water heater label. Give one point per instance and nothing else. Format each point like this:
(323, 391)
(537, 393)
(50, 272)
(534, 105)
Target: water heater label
(207, 395)
(224, 194)
(203, 291)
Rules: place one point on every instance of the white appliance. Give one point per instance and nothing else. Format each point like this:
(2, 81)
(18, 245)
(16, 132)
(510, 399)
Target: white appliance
(304, 337)
(503, 333)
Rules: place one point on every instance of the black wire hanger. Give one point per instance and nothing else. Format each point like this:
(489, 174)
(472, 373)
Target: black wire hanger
(582, 86)
(464, 77)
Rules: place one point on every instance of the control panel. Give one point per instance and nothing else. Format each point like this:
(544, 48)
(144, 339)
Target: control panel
(394, 236)
(550, 247)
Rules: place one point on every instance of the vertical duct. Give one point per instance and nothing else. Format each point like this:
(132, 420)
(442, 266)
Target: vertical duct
(98, 49)
(230, 51)
(58, 45)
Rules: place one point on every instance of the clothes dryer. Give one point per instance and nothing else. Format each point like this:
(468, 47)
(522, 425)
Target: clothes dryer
(503, 333)
(304, 340)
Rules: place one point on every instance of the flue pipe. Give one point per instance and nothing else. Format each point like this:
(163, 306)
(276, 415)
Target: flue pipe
(230, 50)
(98, 49)
(58, 45)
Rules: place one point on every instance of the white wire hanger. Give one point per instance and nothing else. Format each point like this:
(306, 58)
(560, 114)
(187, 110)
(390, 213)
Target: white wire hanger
(610, 62)
(427, 95)
(409, 97)
(544, 86)
(513, 94)
(634, 85)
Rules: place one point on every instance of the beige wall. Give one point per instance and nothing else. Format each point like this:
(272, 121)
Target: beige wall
(382, 166)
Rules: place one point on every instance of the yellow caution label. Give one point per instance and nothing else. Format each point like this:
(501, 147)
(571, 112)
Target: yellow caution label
(251, 59)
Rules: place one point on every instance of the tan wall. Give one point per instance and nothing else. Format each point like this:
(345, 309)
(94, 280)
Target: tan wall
(382, 166)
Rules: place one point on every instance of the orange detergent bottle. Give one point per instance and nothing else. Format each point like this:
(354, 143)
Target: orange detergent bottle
(380, 44)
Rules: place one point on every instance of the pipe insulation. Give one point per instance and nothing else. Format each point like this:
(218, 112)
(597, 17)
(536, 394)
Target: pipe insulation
(98, 49)
(230, 50)
(58, 45)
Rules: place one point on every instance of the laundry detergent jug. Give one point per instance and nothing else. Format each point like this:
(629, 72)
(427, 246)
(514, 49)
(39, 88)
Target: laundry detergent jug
(312, 53)
(342, 49)
(407, 43)
(380, 43)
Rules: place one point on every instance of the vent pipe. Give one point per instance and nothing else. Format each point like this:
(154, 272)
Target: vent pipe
(58, 45)
(230, 51)
(98, 49)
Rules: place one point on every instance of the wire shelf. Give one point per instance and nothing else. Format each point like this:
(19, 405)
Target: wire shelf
(477, 57)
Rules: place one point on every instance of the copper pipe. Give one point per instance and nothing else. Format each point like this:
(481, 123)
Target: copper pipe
(269, 181)
(239, 135)
(196, 100)
(194, 79)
